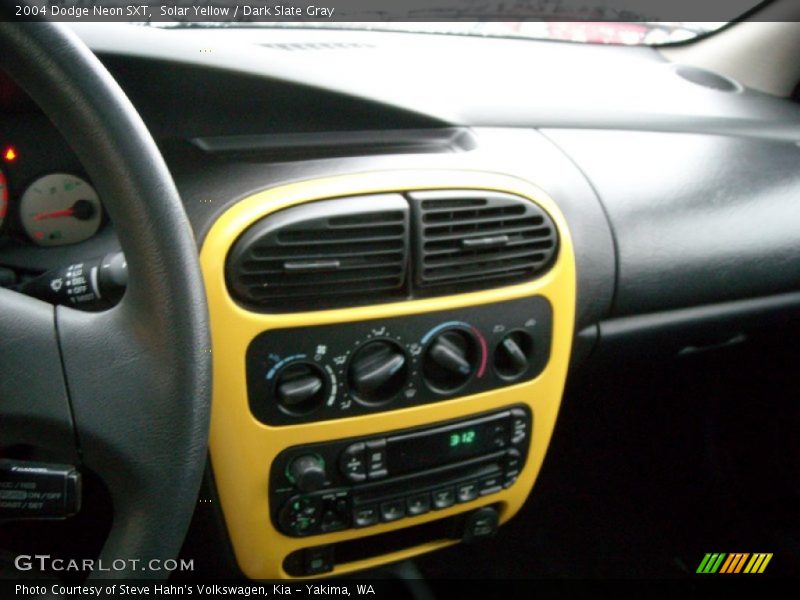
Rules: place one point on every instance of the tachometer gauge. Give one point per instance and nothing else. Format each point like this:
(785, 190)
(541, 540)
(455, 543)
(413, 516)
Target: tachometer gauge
(60, 209)
(3, 197)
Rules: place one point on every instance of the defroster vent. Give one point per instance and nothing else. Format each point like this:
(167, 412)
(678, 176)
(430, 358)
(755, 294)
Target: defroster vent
(472, 239)
(324, 254)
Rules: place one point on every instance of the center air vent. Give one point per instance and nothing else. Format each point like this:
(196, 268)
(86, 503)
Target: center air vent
(340, 252)
(472, 239)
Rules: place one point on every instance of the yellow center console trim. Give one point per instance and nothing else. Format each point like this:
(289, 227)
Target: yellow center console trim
(242, 448)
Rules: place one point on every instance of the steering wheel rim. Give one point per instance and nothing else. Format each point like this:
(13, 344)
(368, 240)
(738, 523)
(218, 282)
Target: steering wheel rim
(137, 376)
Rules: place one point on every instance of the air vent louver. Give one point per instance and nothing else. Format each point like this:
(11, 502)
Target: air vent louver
(479, 239)
(325, 254)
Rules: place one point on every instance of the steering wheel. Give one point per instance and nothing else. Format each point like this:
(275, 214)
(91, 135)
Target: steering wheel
(125, 391)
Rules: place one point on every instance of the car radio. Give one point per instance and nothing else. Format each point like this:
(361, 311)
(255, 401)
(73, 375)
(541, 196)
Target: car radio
(331, 486)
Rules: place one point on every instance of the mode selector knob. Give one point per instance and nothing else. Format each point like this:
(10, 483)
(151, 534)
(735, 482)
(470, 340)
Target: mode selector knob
(307, 472)
(377, 372)
(300, 388)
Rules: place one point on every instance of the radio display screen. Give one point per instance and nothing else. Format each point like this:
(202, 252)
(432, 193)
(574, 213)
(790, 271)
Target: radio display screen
(445, 445)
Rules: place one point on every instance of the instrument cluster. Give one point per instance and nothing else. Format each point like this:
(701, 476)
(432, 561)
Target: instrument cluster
(54, 209)
(46, 198)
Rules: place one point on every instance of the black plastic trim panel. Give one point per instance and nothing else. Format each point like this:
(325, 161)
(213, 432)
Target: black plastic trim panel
(697, 219)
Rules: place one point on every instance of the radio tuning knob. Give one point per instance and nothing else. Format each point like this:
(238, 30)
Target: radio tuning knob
(377, 372)
(307, 472)
(450, 360)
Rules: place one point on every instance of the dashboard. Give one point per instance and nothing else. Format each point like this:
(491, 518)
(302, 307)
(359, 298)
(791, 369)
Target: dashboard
(403, 269)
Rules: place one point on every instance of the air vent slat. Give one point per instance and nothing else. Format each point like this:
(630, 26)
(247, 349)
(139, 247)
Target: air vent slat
(278, 266)
(449, 272)
(368, 233)
(458, 231)
(474, 215)
(483, 258)
(342, 290)
(339, 252)
(435, 249)
(480, 238)
(293, 279)
(341, 249)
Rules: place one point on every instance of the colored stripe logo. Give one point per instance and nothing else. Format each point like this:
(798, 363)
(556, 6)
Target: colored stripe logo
(737, 562)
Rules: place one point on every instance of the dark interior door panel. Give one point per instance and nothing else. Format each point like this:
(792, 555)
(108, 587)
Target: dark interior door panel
(697, 219)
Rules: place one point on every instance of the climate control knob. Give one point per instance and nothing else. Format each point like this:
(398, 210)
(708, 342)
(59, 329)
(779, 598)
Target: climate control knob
(450, 360)
(377, 372)
(512, 355)
(300, 388)
(307, 472)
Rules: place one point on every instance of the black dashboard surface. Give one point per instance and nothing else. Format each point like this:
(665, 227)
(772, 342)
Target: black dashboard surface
(697, 219)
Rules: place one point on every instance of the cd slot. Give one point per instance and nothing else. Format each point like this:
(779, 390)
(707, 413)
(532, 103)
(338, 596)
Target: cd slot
(479, 467)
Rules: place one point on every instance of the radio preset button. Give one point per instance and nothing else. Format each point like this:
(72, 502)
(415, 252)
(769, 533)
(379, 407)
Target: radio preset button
(518, 419)
(393, 510)
(513, 460)
(365, 516)
(443, 498)
(335, 513)
(418, 504)
(333, 521)
(353, 463)
(467, 491)
(490, 485)
(500, 442)
(519, 430)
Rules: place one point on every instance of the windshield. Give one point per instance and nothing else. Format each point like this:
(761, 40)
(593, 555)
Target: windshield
(628, 22)
(601, 32)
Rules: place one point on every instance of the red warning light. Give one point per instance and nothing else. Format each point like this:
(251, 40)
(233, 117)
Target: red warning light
(9, 154)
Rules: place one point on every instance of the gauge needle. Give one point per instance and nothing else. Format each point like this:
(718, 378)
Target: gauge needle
(67, 212)
(81, 210)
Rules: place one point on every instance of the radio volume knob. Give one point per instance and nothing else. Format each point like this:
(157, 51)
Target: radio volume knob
(307, 472)
(377, 372)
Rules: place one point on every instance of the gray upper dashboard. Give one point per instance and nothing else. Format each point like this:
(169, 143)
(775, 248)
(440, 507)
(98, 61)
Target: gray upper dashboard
(677, 194)
(458, 80)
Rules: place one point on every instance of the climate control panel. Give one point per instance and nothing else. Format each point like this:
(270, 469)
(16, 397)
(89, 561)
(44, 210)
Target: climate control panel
(333, 371)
